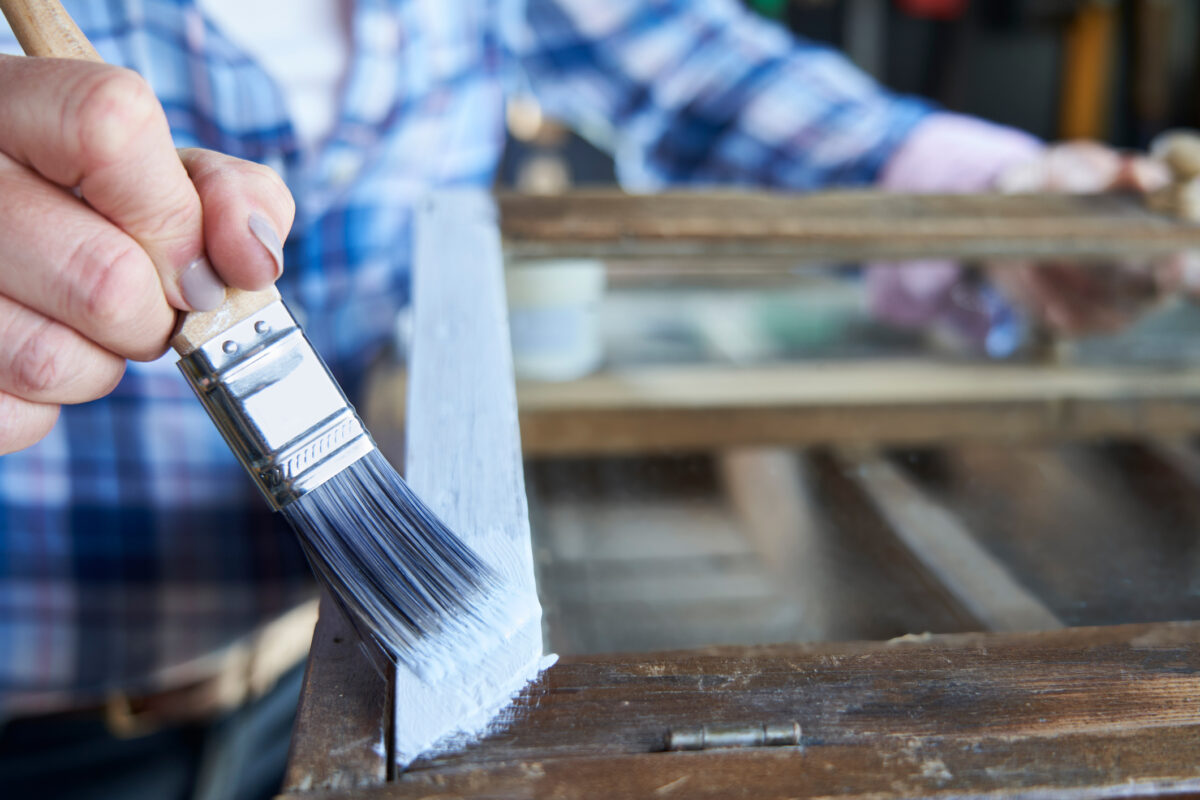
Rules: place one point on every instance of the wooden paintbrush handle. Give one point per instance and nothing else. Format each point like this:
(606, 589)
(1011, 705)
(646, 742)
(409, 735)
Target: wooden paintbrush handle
(46, 30)
(198, 327)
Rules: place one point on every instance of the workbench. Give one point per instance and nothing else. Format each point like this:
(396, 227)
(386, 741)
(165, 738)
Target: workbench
(1031, 696)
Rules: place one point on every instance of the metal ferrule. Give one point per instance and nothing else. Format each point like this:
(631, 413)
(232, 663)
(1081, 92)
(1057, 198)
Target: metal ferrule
(276, 404)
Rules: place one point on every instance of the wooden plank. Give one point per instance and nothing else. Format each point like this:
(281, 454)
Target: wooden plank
(837, 226)
(341, 729)
(976, 579)
(768, 488)
(464, 458)
(1064, 714)
(640, 410)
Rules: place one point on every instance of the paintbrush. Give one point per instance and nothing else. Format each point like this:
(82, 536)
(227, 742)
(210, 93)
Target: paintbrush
(406, 581)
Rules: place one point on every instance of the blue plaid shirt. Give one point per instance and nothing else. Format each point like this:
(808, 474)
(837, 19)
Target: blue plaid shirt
(130, 539)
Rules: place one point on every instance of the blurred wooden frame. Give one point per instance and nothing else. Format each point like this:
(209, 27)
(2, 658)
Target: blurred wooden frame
(1060, 713)
(665, 408)
(754, 230)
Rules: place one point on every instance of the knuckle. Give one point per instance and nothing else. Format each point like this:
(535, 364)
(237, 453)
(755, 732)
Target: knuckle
(112, 112)
(37, 367)
(274, 184)
(45, 361)
(108, 275)
(250, 176)
(173, 222)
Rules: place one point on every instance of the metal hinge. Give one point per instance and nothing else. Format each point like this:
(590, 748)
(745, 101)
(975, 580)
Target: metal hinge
(707, 737)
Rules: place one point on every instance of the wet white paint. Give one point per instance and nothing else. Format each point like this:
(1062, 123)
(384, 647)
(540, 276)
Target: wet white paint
(464, 459)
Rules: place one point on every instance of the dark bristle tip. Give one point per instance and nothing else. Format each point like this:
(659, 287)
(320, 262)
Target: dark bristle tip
(401, 575)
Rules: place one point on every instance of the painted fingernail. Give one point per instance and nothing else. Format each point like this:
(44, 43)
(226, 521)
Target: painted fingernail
(201, 288)
(265, 233)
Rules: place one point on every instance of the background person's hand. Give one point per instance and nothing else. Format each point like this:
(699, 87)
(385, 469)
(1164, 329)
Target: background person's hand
(106, 230)
(1074, 298)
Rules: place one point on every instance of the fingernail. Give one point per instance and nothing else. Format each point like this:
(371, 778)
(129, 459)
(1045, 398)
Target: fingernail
(265, 233)
(201, 288)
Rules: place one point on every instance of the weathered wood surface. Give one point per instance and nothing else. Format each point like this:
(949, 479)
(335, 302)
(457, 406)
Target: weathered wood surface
(1081, 712)
(639, 410)
(340, 734)
(844, 226)
(464, 454)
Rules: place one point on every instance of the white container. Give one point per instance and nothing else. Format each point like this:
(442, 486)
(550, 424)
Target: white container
(554, 317)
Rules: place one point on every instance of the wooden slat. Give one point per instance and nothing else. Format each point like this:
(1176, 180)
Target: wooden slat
(1064, 714)
(768, 488)
(840, 226)
(1101, 535)
(971, 575)
(640, 410)
(339, 737)
(862, 384)
(464, 453)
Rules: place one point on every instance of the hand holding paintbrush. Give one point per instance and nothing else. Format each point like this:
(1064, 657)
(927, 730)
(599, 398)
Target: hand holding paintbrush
(89, 277)
(86, 285)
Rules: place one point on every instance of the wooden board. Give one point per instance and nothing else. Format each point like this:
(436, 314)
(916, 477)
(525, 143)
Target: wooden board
(1065, 714)
(339, 739)
(464, 452)
(654, 409)
(839, 226)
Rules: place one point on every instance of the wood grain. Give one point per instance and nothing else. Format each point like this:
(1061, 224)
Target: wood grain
(838, 226)
(1064, 714)
(45, 30)
(339, 737)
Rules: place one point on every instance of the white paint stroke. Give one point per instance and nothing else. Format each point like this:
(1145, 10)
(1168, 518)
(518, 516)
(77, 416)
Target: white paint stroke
(464, 459)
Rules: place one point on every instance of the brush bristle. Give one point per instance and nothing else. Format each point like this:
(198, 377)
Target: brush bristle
(404, 578)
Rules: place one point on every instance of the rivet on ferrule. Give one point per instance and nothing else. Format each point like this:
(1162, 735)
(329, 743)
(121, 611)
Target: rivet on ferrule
(707, 737)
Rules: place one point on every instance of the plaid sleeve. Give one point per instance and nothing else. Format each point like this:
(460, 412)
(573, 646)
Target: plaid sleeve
(704, 92)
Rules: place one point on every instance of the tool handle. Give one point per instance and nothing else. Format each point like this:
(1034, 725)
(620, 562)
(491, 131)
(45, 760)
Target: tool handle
(46, 30)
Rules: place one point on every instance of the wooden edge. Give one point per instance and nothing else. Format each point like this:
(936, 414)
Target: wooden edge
(838, 225)
(339, 737)
(1071, 713)
(902, 403)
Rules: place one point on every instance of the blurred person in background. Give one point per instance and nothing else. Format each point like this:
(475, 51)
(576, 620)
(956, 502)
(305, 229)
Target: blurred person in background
(138, 566)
